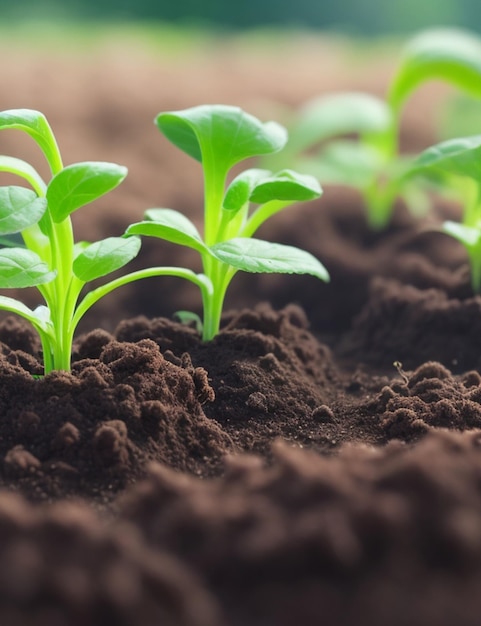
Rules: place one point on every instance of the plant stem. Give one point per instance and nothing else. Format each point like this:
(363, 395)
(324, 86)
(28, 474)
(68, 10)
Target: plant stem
(91, 298)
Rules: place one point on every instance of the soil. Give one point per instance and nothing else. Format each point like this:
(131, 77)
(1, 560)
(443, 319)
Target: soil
(319, 461)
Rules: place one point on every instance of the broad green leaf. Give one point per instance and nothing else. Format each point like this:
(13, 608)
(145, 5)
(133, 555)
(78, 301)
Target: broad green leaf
(220, 135)
(171, 226)
(460, 156)
(35, 124)
(287, 186)
(23, 169)
(22, 268)
(105, 256)
(449, 54)
(469, 236)
(336, 115)
(19, 209)
(240, 189)
(255, 255)
(78, 184)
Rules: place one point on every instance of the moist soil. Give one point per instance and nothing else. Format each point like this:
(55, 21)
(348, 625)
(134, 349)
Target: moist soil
(318, 462)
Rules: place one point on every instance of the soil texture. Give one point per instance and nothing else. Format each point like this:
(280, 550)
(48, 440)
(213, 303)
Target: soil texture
(318, 462)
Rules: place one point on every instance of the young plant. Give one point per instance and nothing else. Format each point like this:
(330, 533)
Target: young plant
(220, 137)
(50, 260)
(457, 162)
(357, 134)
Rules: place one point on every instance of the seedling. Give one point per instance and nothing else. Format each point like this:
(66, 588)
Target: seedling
(457, 161)
(220, 137)
(50, 260)
(357, 135)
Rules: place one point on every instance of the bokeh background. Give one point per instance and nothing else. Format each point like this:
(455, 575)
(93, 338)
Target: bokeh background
(101, 70)
(358, 17)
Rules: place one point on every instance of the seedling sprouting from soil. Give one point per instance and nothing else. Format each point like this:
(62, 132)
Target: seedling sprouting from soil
(352, 138)
(220, 137)
(50, 260)
(457, 163)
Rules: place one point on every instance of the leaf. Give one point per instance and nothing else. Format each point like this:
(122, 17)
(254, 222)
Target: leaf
(105, 256)
(19, 209)
(469, 236)
(240, 189)
(460, 156)
(22, 268)
(78, 184)
(221, 135)
(15, 306)
(32, 122)
(336, 115)
(189, 318)
(171, 226)
(287, 186)
(448, 54)
(257, 256)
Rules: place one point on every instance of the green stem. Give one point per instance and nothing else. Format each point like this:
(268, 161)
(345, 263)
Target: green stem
(91, 298)
(261, 214)
(213, 302)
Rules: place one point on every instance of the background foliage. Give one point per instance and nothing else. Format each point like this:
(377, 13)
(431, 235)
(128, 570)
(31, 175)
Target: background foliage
(351, 16)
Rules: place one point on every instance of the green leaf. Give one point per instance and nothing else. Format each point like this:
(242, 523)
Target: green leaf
(19, 209)
(287, 186)
(469, 236)
(255, 255)
(105, 256)
(240, 189)
(22, 268)
(78, 184)
(460, 156)
(223, 135)
(32, 122)
(189, 318)
(448, 54)
(171, 226)
(339, 114)
(15, 306)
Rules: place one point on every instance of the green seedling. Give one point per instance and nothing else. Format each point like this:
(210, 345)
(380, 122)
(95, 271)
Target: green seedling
(457, 162)
(353, 138)
(220, 137)
(48, 258)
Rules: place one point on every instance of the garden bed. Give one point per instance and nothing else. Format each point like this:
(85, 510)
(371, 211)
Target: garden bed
(319, 461)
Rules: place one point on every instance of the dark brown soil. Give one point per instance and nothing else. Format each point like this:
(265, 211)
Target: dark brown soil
(319, 462)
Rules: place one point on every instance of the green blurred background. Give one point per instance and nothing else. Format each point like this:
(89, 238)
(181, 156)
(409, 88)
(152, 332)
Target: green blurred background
(357, 17)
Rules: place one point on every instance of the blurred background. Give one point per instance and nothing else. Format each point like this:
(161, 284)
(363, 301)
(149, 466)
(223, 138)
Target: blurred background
(101, 70)
(361, 17)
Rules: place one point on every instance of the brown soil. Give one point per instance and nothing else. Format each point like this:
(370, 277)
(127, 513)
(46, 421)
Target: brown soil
(286, 472)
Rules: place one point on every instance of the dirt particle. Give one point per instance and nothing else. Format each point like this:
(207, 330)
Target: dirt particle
(19, 461)
(472, 379)
(66, 436)
(203, 391)
(110, 442)
(28, 423)
(269, 362)
(258, 402)
(431, 369)
(323, 414)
